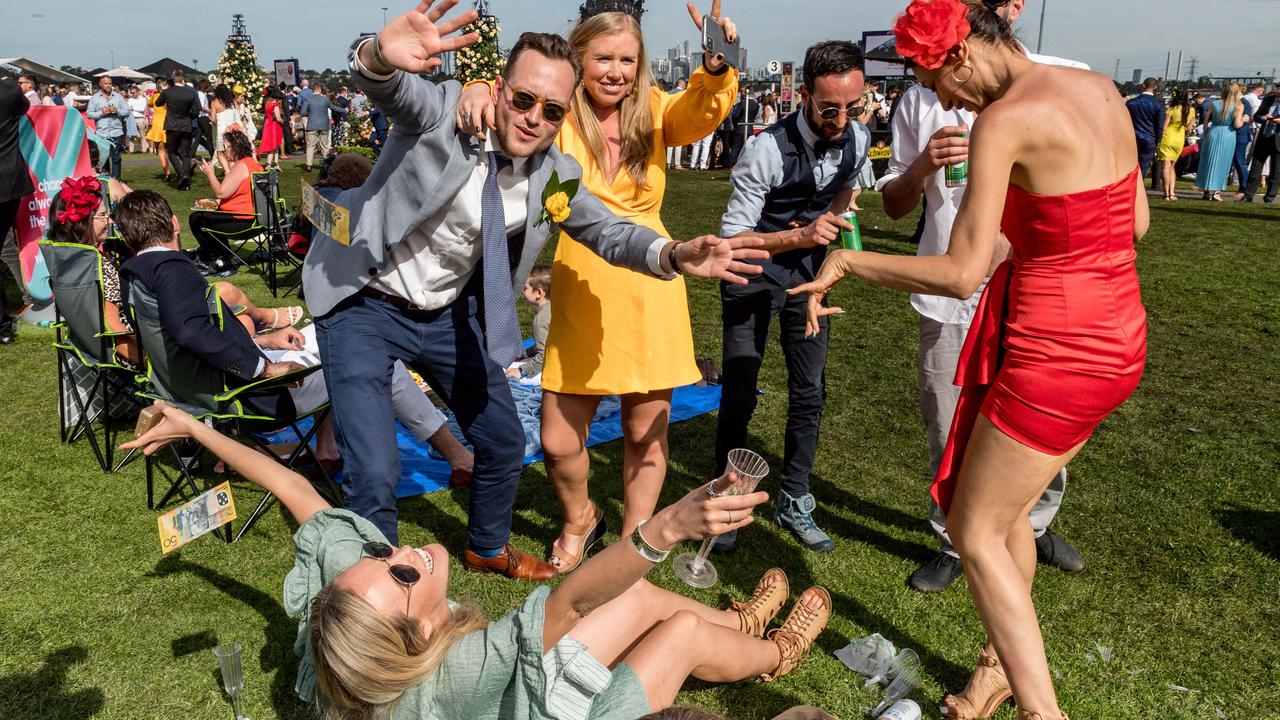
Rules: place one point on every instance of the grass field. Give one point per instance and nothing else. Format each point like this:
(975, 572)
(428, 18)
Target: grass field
(1173, 504)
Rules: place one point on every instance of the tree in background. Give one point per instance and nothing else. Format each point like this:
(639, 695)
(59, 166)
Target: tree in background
(238, 64)
(483, 60)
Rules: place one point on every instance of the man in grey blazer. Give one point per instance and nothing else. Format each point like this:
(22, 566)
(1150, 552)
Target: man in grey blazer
(443, 235)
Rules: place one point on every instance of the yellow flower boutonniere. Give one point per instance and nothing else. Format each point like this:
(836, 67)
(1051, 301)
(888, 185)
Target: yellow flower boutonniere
(556, 197)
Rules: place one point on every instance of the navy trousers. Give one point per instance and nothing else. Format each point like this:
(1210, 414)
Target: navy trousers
(359, 341)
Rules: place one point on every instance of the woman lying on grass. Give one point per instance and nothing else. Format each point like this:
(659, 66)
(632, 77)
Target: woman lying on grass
(380, 638)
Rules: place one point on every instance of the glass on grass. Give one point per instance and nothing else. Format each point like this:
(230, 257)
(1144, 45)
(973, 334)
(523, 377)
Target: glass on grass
(228, 655)
(743, 471)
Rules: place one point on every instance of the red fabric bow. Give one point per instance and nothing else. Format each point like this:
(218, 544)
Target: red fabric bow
(929, 29)
(80, 197)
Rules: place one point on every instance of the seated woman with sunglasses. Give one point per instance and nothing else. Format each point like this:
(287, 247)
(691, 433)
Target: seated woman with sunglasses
(380, 638)
(618, 128)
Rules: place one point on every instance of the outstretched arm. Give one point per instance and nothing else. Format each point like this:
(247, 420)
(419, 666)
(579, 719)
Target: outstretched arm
(293, 490)
(607, 575)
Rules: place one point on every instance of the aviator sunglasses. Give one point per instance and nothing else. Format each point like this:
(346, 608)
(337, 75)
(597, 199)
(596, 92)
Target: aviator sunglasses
(403, 574)
(523, 100)
(850, 112)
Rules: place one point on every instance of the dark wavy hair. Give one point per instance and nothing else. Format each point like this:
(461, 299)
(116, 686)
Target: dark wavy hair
(224, 95)
(79, 231)
(985, 22)
(346, 171)
(833, 57)
(238, 144)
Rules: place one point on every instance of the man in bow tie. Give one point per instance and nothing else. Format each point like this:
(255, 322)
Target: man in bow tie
(442, 236)
(789, 185)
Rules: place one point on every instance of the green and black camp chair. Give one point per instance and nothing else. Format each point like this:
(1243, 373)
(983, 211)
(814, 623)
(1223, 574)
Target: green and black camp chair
(268, 235)
(83, 340)
(179, 377)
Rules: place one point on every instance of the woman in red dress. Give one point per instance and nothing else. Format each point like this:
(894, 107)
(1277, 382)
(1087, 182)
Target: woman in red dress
(1059, 341)
(272, 128)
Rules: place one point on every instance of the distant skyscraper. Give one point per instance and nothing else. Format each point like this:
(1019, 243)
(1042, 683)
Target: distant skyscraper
(1137, 75)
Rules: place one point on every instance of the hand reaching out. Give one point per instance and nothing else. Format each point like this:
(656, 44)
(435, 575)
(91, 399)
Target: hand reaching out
(412, 41)
(721, 258)
(831, 273)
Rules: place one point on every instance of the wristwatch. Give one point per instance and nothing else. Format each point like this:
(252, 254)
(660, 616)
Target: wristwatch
(647, 551)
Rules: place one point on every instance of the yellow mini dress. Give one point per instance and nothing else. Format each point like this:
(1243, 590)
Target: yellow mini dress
(614, 330)
(156, 133)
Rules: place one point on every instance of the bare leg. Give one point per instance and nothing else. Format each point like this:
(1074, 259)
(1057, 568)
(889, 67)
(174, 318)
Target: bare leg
(853, 199)
(645, 417)
(999, 481)
(612, 629)
(163, 154)
(565, 421)
(254, 317)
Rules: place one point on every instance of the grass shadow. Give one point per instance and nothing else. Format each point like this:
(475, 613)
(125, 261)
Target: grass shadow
(44, 694)
(1260, 528)
(276, 657)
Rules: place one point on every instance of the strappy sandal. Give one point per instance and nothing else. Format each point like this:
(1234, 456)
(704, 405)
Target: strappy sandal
(293, 314)
(796, 636)
(960, 707)
(594, 530)
(1028, 715)
(766, 602)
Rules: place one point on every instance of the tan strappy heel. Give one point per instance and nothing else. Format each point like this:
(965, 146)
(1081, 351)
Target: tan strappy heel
(979, 703)
(765, 603)
(802, 627)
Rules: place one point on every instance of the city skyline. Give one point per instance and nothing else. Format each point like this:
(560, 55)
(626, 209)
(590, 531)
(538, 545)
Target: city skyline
(1232, 40)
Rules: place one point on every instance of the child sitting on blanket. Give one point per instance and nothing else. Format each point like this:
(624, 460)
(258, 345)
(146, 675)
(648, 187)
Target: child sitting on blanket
(537, 292)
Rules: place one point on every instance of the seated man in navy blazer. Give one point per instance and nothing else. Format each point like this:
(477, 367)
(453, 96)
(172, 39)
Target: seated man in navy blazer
(151, 230)
(443, 235)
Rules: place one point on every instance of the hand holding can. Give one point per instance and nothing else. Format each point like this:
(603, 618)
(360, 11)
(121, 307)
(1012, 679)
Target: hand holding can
(851, 239)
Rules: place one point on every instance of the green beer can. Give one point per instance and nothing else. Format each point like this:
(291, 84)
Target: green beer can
(958, 174)
(851, 239)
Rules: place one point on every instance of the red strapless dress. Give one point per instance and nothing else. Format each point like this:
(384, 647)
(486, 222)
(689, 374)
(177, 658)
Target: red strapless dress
(1059, 339)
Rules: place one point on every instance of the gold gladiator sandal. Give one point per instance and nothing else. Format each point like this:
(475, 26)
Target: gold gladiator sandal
(802, 627)
(765, 603)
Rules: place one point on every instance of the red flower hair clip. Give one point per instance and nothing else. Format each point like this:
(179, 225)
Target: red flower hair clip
(80, 197)
(930, 29)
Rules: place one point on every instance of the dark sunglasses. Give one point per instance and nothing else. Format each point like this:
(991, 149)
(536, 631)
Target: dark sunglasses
(403, 574)
(523, 100)
(850, 112)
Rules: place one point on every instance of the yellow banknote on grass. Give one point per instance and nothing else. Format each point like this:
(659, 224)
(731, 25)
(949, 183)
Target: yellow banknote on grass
(203, 514)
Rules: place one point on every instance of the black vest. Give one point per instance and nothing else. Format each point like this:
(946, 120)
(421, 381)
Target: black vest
(798, 199)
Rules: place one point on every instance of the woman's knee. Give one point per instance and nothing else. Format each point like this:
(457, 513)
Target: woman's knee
(561, 442)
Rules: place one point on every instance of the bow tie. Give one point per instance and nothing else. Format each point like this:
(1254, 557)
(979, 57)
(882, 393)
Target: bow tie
(820, 148)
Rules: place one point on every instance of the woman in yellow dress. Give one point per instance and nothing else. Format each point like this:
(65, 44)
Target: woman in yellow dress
(156, 134)
(1177, 120)
(614, 331)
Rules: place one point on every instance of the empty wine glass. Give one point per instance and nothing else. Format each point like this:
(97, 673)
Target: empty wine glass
(904, 668)
(228, 655)
(742, 472)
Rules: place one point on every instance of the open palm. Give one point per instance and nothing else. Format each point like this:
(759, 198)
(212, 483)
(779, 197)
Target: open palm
(412, 41)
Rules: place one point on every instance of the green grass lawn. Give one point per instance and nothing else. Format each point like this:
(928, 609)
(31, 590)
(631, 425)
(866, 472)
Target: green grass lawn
(1173, 505)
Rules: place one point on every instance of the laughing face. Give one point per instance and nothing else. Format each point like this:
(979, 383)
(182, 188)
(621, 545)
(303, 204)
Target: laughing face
(528, 132)
(609, 67)
(424, 601)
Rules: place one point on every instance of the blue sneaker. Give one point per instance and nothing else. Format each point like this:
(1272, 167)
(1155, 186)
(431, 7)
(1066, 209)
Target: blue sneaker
(796, 515)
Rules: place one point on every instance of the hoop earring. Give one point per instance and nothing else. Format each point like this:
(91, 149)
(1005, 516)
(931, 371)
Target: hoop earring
(966, 79)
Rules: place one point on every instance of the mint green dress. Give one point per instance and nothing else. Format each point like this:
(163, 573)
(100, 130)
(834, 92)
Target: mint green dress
(499, 673)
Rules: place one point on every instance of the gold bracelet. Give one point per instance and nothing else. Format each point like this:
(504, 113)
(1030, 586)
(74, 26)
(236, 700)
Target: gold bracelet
(647, 550)
(377, 54)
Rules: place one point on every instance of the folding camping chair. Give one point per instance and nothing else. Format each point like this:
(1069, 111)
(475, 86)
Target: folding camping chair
(258, 235)
(275, 216)
(179, 377)
(82, 335)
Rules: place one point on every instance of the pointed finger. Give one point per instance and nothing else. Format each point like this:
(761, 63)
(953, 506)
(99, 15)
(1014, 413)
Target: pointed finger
(715, 9)
(809, 287)
(697, 16)
(422, 6)
(453, 25)
(438, 11)
(751, 254)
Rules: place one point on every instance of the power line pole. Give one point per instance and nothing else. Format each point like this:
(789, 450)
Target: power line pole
(1040, 40)
(1168, 59)
(1177, 75)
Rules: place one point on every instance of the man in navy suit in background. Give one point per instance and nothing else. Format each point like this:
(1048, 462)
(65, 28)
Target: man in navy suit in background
(1147, 112)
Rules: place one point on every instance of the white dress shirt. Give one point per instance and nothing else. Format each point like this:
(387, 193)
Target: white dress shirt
(918, 117)
(434, 263)
(760, 168)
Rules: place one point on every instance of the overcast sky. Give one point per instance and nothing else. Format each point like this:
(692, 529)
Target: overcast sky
(1228, 36)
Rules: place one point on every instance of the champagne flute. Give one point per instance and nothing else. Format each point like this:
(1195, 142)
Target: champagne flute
(228, 655)
(743, 471)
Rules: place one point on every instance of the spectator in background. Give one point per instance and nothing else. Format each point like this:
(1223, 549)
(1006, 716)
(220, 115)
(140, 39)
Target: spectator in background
(1266, 148)
(1177, 121)
(202, 130)
(316, 111)
(235, 205)
(274, 128)
(1223, 116)
(137, 103)
(537, 292)
(1148, 122)
(15, 180)
(27, 84)
(380, 127)
(1251, 101)
(111, 112)
(182, 107)
(674, 154)
(769, 110)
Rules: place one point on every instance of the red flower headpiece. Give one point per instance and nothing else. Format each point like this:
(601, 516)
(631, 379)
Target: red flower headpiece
(80, 197)
(929, 29)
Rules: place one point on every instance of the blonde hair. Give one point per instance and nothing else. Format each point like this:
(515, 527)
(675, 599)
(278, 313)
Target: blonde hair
(365, 661)
(635, 123)
(1231, 93)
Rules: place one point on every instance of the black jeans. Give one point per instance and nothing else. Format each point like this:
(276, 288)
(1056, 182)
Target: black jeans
(178, 145)
(1264, 149)
(747, 311)
(8, 213)
(212, 246)
(202, 134)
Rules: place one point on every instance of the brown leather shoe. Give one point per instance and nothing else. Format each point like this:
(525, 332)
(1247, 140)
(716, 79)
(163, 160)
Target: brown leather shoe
(511, 562)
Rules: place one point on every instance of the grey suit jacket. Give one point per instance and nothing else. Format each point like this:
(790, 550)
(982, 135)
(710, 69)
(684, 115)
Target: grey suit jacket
(423, 166)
